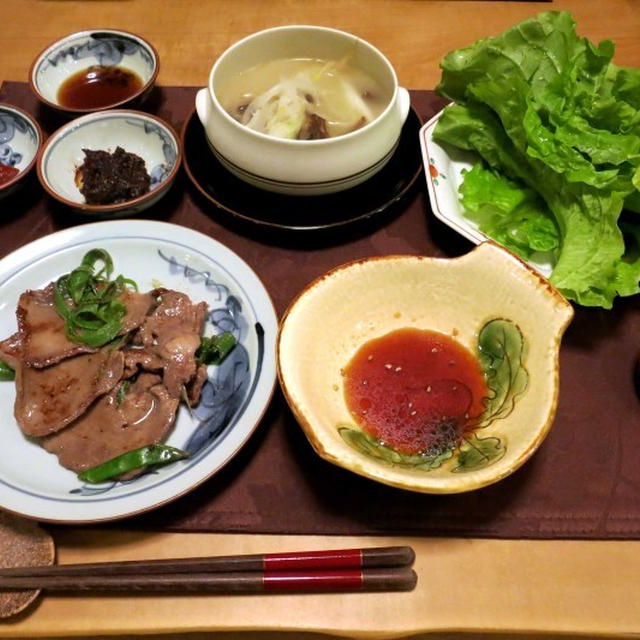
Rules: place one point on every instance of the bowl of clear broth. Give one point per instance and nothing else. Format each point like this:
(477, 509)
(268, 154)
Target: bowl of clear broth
(432, 375)
(302, 110)
(94, 70)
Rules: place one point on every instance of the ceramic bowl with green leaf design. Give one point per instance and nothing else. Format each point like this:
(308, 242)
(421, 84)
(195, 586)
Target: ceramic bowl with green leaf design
(428, 374)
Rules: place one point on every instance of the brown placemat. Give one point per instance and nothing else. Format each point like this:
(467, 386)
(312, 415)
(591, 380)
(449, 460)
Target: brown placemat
(584, 482)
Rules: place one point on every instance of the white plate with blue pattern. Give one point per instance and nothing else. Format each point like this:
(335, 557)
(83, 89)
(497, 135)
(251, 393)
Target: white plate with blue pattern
(235, 397)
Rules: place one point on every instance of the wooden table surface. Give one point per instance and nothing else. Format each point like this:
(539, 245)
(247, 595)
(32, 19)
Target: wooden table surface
(467, 587)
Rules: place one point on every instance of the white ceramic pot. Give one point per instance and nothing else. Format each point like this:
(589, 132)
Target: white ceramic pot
(302, 167)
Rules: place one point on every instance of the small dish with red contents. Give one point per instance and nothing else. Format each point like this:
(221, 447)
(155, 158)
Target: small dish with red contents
(110, 163)
(20, 140)
(94, 70)
(427, 374)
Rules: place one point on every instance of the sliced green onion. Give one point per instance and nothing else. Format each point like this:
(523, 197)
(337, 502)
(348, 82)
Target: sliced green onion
(88, 300)
(98, 255)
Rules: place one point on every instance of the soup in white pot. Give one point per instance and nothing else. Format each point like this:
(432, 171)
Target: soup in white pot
(303, 99)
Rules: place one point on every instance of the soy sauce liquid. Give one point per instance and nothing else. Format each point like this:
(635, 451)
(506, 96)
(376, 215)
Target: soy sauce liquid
(414, 389)
(98, 87)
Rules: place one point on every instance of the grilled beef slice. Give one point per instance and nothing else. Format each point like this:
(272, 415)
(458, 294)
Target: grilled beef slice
(41, 339)
(88, 407)
(41, 330)
(118, 422)
(48, 399)
(11, 350)
(170, 336)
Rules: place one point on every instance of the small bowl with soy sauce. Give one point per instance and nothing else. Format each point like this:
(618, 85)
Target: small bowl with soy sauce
(427, 374)
(94, 70)
(20, 139)
(110, 163)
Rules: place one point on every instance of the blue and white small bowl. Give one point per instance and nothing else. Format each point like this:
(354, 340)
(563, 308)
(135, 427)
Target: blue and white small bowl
(20, 140)
(78, 51)
(147, 136)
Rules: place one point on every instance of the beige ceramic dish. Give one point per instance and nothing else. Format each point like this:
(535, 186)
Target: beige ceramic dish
(336, 314)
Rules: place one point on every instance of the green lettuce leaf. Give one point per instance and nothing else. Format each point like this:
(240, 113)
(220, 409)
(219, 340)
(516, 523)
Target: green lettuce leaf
(548, 109)
(511, 214)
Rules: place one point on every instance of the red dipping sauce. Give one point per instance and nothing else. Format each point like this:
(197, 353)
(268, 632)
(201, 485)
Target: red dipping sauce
(415, 391)
(7, 173)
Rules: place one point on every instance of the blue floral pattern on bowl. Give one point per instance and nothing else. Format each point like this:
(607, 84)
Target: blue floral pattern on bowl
(107, 49)
(159, 172)
(8, 126)
(12, 124)
(85, 49)
(20, 139)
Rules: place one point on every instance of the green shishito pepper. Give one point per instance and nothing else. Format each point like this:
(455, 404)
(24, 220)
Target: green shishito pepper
(6, 372)
(214, 349)
(149, 455)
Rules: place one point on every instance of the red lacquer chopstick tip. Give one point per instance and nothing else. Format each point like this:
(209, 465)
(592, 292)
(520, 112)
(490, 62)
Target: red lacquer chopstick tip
(340, 559)
(377, 579)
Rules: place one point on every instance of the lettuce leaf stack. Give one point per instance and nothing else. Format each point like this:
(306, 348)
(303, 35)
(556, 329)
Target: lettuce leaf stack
(557, 124)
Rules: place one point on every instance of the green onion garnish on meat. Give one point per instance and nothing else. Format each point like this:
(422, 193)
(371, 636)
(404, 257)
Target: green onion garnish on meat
(87, 299)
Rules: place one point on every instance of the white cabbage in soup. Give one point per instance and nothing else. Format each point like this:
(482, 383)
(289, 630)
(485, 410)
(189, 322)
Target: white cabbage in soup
(304, 99)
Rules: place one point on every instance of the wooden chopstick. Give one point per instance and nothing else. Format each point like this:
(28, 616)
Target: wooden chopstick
(327, 580)
(372, 557)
